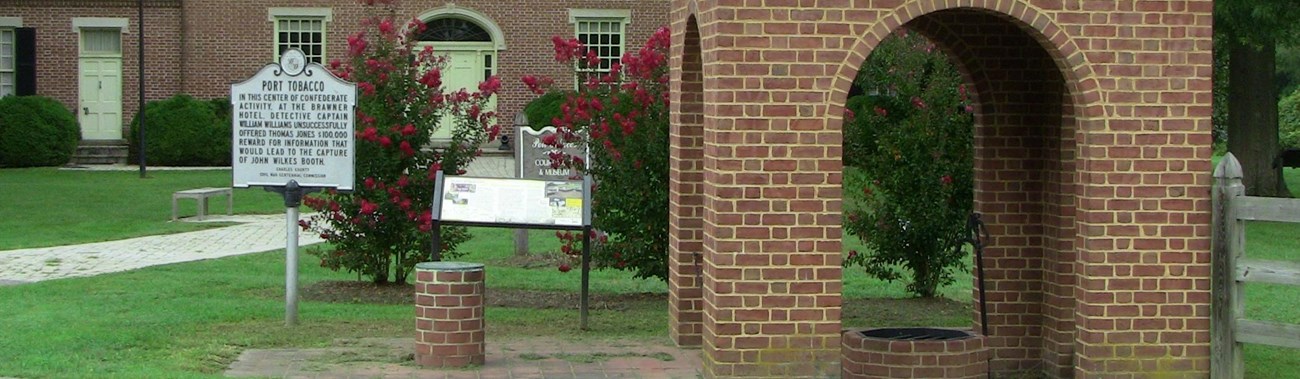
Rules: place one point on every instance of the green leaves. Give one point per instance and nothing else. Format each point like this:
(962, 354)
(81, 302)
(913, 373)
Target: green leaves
(910, 138)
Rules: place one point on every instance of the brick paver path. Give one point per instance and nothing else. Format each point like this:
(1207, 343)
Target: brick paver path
(541, 357)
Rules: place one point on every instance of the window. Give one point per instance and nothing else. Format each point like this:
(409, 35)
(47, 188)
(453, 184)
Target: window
(7, 64)
(302, 29)
(101, 42)
(602, 31)
(605, 37)
(306, 34)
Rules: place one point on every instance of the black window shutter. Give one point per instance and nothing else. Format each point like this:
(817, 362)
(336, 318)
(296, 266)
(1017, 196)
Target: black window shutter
(25, 54)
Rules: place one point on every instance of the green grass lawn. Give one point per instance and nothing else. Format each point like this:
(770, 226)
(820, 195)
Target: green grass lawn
(193, 319)
(49, 207)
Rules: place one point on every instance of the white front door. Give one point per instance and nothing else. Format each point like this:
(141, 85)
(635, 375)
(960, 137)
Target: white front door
(100, 85)
(465, 69)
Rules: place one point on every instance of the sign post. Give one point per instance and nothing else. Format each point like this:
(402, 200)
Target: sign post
(293, 134)
(535, 204)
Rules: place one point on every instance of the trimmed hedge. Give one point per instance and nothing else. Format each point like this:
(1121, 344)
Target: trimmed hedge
(545, 108)
(183, 131)
(36, 131)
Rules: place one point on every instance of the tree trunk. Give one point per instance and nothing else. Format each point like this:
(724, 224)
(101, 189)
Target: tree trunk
(1252, 117)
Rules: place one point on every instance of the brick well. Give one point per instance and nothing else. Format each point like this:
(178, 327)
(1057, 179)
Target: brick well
(873, 357)
(449, 314)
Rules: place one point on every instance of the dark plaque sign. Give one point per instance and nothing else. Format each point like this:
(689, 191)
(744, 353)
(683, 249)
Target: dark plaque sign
(534, 157)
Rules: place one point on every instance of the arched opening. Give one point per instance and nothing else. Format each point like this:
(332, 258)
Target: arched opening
(686, 176)
(1091, 182)
(1024, 184)
(470, 42)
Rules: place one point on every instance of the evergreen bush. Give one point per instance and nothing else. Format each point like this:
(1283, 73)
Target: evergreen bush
(36, 131)
(183, 131)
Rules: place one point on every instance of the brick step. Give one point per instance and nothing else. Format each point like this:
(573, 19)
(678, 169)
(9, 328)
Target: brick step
(99, 154)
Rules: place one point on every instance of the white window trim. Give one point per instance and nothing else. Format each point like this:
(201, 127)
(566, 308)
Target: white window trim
(274, 13)
(121, 24)
(609, 14)
(452, 10)
(11, 22)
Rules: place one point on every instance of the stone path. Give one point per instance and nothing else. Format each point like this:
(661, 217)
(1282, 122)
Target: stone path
(516, 358)
(253, 234)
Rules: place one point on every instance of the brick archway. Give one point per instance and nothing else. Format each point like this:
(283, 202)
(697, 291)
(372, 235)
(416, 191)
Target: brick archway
(1092, 162)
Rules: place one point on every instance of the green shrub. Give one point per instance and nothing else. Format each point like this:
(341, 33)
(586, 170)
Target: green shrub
(384, 226)
(36, 131)
(1288, 121)
(622, 120)
(183, 131)
(545, 108)
(912, 141)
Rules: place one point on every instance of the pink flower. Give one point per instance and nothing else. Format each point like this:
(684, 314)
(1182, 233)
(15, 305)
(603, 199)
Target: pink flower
(432, 78)
(368, 207)
(881, 112)
(385, 141)
(946, 180)
(406, 149)
(490, 86)
(918, 102)
(386, 27)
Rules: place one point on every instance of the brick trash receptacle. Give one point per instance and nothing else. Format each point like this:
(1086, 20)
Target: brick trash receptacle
(448, 314)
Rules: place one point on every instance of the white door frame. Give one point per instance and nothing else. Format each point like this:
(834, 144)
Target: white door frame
(100, 119)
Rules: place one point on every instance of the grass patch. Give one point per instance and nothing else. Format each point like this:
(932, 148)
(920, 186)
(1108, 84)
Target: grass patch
(193, 319)
(52, 207)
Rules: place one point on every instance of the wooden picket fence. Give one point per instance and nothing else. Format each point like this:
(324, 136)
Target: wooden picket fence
(1231, 270)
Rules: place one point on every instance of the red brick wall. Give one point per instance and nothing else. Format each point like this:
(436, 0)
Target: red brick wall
(200, 47)
(227, 54)
(1092, 165)
(57, 47)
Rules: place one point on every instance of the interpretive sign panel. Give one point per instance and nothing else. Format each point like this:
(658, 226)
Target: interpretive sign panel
(512, 201)
(293, 121)
(534, 157)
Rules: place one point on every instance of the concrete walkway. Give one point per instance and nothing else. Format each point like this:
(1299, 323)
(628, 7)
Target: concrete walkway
(253, 234)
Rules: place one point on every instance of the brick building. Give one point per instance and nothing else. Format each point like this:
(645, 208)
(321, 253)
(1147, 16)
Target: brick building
(1092, 163)
(84, 52)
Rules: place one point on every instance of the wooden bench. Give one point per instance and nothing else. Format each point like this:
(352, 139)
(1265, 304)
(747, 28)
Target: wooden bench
(201, 195)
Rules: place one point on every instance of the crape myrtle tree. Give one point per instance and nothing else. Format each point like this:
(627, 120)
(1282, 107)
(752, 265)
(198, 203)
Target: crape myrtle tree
(383, 228)
(910, 138)
(621, 117)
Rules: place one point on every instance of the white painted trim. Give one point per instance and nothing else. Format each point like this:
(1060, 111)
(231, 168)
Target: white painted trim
(624, 14)
(11, 22)
(452, 10)
(79, 23)
(277, 12)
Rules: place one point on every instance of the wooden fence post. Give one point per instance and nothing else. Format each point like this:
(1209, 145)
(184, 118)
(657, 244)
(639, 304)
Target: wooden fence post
(1227, 298)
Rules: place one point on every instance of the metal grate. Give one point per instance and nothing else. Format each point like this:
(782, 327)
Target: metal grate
(917, 334)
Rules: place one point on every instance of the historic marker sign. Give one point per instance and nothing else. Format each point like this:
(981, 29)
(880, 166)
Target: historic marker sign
(294, 121)
(534, 157)
(511, 201)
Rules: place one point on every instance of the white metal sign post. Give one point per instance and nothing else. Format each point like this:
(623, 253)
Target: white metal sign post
(293, 128)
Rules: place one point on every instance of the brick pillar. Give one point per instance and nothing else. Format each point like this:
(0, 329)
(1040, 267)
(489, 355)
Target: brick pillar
(686, 174)
(449, 314)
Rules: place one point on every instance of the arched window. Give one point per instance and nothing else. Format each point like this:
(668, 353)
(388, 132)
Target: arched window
(451, 29)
